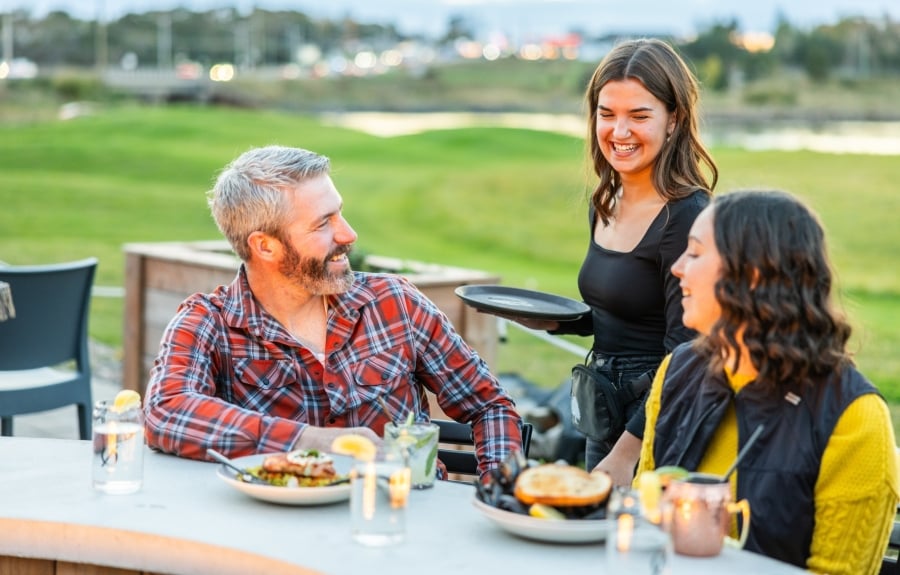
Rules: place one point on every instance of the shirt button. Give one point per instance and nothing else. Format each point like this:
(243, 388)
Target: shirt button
(331, 420)
(331, 386)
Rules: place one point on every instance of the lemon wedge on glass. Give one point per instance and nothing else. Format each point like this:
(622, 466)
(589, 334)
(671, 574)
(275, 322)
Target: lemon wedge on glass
(650, 490)
(357, 446)
(126, 399)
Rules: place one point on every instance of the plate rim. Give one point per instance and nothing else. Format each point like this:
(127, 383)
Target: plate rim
(523, 292)
(568, 531)
(282, 495)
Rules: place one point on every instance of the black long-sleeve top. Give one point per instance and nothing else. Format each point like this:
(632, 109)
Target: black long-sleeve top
(636, 301)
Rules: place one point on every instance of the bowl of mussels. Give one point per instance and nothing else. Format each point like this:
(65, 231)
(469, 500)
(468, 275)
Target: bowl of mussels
(554, 502)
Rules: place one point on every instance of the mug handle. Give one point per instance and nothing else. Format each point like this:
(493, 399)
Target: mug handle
(742, 506)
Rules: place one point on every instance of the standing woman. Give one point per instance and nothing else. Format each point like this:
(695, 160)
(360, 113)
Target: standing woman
(821, 478)
(646, 151)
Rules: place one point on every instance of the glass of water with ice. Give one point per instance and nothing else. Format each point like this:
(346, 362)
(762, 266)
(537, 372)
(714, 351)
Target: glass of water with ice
(118, 458)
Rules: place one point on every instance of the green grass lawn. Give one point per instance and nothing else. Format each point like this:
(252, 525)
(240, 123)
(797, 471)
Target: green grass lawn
(504, 200)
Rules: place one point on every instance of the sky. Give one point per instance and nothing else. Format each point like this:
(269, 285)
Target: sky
(519, 17)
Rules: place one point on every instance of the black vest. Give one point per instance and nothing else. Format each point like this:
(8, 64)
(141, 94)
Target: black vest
(778, 476)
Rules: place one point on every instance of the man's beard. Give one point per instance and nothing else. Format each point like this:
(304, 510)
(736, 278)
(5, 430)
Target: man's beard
(313, 275)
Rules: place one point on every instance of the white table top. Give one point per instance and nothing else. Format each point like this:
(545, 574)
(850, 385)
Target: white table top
(187, 520)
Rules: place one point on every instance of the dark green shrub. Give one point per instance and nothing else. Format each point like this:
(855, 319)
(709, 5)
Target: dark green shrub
(770, 97)
(73, 88)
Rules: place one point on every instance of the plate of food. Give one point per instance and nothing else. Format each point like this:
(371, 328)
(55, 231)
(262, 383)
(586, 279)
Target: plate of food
(546, 530)
(552, 502)
(505, 300)
(300, 477)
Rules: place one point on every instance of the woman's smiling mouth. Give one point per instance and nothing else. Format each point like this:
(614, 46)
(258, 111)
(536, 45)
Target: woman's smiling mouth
(624, 148)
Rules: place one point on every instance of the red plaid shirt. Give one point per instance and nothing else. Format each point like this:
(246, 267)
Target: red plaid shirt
(230, 377)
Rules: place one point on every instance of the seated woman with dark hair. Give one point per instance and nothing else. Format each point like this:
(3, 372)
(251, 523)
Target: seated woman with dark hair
(821, 479)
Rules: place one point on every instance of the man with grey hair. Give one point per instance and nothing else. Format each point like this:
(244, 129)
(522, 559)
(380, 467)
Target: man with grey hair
(299, 348)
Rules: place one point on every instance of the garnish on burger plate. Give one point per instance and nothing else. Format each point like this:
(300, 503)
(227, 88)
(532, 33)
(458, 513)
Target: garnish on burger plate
(298, 468)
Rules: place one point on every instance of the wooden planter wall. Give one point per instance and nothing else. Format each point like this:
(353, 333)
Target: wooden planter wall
(159, 276)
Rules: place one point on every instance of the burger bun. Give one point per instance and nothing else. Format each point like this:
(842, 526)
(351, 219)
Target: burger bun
(562, 486)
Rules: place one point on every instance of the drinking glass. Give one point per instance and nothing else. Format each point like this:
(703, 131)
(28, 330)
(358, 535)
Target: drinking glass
(417, 445)
(634, 545)
(699, 515)
(118, 444)
(378, 496)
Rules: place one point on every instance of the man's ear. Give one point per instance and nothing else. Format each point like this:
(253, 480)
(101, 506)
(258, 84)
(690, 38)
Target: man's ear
(264, 246)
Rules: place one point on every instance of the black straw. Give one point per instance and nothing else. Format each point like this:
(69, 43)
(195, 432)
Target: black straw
(744, 451)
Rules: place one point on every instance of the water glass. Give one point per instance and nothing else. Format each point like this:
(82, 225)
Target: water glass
(118, 445)
(379, 492)
(417, 445)
(634, 545)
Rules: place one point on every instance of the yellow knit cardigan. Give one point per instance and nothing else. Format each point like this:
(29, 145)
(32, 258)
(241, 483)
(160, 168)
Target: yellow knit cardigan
(857, 490)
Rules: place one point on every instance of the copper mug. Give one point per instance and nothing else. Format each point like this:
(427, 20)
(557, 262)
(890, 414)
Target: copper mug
(697, 513)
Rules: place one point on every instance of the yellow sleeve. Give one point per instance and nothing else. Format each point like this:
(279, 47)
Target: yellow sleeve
(646, 463)
(857, 492)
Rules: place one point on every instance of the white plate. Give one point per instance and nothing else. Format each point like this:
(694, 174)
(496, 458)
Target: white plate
(554, 531)
(288, 495)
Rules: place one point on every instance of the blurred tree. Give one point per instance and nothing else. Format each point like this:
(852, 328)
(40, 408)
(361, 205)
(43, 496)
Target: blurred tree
(759, 65)
(885, 39)
(818, 53)
(55, 40)
(717, 52)
(135, 33)
(458, 26)
(786, 39)
(711, 73)
(853, 47)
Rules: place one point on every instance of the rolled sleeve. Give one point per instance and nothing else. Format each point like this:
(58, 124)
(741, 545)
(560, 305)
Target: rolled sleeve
(185, 412)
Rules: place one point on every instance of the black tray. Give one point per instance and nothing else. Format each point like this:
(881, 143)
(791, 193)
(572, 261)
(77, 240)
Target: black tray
(521, 302)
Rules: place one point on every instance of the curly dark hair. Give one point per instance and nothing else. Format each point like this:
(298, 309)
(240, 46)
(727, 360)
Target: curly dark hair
(775, 290)
(678, 168)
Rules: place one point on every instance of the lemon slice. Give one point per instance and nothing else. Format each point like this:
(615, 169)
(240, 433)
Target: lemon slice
(670, 473)
(650, 490)
(357, 446)
(126, 399)
(405, 439)
(542, 511)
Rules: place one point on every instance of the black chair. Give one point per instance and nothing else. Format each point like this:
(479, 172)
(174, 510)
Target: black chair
(463, 461)
(44, 362)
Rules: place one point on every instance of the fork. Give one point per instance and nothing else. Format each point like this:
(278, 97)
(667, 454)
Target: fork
(243, 474)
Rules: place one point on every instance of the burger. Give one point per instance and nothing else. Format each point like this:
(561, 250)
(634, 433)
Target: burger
(555, 491)
(298, 468)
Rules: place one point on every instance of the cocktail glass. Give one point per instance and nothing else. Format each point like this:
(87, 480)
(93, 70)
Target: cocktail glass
(416, 444)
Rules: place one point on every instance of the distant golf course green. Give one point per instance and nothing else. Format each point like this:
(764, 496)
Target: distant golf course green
(509, 201)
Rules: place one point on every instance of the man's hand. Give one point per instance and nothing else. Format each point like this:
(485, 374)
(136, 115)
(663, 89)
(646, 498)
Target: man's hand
(320, 438)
